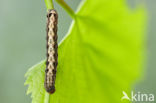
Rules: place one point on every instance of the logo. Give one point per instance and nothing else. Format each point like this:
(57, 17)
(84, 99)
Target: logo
(138, 97)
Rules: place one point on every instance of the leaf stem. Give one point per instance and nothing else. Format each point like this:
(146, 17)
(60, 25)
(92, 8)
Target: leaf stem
(46, 99)
(49, 4)
(66, 7)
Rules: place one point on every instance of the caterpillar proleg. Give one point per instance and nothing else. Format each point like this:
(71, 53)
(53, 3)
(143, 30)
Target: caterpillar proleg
(52, 55)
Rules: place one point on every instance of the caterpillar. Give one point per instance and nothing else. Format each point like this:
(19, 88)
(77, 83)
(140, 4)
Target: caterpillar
(52, 55)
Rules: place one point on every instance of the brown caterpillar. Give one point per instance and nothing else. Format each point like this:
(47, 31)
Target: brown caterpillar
(52, 55)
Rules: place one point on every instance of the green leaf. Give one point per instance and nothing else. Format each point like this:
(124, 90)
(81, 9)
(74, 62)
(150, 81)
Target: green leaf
(99, 58)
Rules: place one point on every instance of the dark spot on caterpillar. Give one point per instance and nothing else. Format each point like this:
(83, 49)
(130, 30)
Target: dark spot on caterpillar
(55, 63)
(55, 55)
(47, 47)
(49, 15)
(55, 46)
(54, 71)
(47, 29)
(55, 37)
(46, 70)
(55, 29)
(47, 63)
(55, 15)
